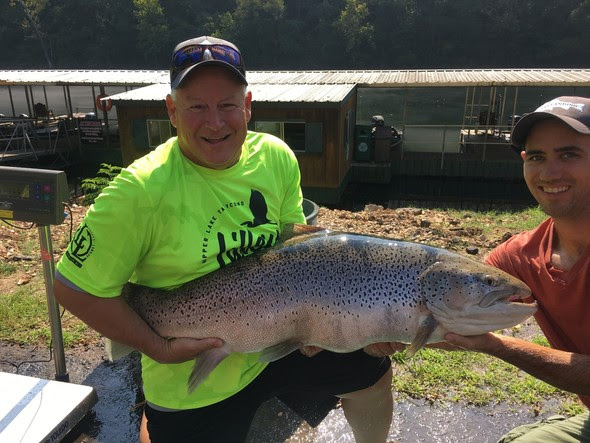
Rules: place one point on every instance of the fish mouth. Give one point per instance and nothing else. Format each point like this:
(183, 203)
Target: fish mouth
(510, 295)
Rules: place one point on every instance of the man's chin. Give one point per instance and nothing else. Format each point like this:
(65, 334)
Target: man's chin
(560, 210)
(220, 163)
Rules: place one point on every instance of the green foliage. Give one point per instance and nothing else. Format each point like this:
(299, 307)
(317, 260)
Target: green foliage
(255, 21)
(299, 34)
(92, 187)
(152, 28)
(354, 23)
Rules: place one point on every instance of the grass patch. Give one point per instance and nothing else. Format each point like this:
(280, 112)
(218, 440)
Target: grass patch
(76, 333)
(524, 220)
(571, 408)
(540, 340)
(29, 246)
(7, 269)
(24, 318)
(472, 378)
(23, 315)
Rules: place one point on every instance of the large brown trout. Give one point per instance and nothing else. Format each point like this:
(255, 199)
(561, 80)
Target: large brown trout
(339, 291)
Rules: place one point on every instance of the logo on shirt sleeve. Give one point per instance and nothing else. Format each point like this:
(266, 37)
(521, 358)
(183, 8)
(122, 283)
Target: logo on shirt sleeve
(81, 246)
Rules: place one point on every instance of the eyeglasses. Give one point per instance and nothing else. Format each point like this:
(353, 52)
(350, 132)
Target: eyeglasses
(192, 55)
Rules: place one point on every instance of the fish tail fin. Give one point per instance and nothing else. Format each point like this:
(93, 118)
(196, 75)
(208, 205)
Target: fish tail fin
(204, 365)
(116, 350)
(427, 326)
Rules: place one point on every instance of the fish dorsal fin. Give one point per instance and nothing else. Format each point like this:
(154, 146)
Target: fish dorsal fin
(295, 232)
(427, 326)
(277, 351)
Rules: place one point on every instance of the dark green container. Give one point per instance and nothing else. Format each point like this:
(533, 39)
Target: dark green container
(363, 149)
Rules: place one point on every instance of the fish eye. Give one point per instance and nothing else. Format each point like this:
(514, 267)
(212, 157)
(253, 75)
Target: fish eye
(490, 280)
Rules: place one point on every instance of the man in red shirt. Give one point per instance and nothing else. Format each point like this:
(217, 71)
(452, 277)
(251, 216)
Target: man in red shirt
(554, 261)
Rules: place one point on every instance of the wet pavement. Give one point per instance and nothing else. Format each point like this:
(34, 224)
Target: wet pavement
(413, 421)
(116, 416)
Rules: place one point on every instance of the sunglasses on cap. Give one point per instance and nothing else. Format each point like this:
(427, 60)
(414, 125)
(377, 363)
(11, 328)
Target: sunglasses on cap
(195, 54)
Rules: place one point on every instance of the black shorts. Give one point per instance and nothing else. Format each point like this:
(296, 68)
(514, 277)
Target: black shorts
(308, 385)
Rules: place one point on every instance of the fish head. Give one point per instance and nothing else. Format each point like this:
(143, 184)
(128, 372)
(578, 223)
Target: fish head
(469, 298)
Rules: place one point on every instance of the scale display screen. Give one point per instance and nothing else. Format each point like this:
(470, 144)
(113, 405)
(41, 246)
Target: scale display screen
(15, 190)
(32, 195)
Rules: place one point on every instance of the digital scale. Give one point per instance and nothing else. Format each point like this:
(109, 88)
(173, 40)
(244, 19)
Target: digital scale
(32, 409)
(33, 195)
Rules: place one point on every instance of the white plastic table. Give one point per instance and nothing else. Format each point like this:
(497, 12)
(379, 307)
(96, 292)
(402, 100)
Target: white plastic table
(38, 410)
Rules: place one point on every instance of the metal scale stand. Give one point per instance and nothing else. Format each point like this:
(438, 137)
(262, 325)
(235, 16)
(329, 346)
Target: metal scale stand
(33, 409)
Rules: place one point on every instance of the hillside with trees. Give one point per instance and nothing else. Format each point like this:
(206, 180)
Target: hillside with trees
(299, 34)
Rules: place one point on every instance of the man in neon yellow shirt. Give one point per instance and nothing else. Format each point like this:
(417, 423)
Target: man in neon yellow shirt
(196, 203)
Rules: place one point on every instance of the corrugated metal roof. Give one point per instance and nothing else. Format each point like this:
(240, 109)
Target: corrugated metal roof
(308, 93)
(429, 77)
(149, 93)
(375, 78)
(334, 86)
(82, 77)
(288, 93)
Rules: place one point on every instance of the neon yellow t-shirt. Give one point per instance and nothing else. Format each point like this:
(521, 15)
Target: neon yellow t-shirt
(165, 221)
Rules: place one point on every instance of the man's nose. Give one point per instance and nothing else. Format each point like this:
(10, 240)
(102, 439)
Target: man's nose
(551, 170)
(214, 119)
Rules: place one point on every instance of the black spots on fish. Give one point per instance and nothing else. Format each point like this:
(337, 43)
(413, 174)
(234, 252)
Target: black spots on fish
(340, 276)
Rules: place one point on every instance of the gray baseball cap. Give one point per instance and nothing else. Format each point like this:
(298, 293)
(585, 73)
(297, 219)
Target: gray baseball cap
(573, 111)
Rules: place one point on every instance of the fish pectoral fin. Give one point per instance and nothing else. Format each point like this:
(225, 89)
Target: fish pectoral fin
(204, 365)
(427, 326)
(116, 350)
(277, 351)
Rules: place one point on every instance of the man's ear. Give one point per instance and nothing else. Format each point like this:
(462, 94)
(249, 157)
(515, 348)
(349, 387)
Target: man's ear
(248, 105)
(171, 108)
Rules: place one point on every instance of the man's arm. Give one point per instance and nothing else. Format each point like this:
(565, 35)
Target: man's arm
(113, 318)
(564, 370)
